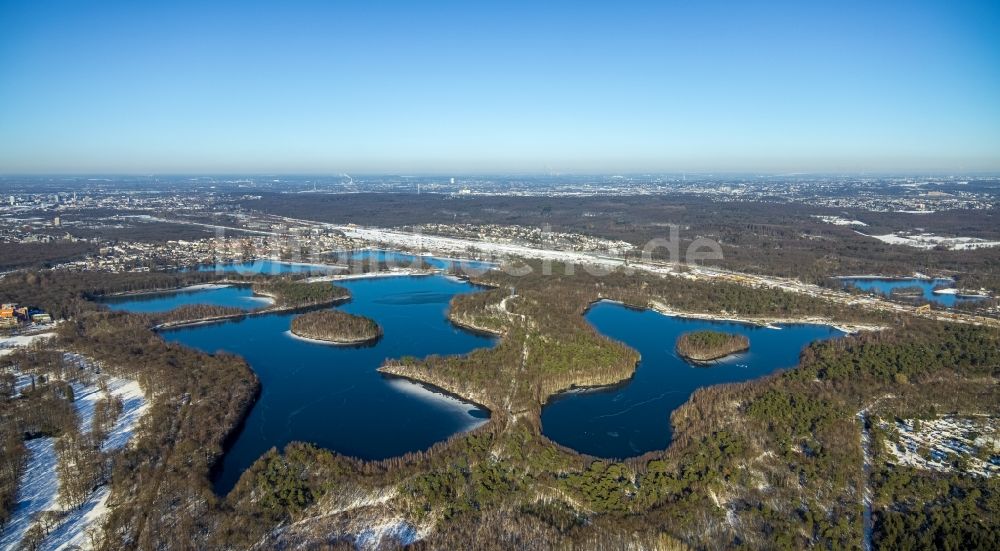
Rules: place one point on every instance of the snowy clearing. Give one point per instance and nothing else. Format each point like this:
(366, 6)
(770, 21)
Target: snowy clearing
(8, 344)
(38, 491)
(930, 241)
(838, 221)
(395, 531)
(943, 443)
(75, 530)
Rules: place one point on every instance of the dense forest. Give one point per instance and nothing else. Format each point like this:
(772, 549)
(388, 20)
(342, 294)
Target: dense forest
(65, 294)
(335, 326)
(189, 312)
(291, 293)
(704, 346)
(924, 510)
(24, 255)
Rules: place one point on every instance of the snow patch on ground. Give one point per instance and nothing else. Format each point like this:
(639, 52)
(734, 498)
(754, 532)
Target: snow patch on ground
(930, 241)
(346, 500)
(866, 494)
(85, 398)
(8, 344)
(22, 381)
(395, 530)
(37, 492)
(936, 444)
(135, 404)
(838, 221)
(39, 486)
(74, 532)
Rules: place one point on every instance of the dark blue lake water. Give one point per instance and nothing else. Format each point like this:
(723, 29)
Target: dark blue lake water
(266, 267)
(332, 396)
(240, 297)
(632, 418)
(885, 286)
(373, 257)
(403, 260)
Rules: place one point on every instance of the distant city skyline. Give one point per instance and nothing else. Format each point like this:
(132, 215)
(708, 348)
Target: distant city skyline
(470, 88)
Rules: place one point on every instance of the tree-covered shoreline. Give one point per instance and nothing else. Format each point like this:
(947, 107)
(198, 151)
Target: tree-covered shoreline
(336, 327)
(706, 346)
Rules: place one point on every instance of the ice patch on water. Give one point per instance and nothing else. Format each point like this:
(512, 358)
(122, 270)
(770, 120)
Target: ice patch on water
(445, 401)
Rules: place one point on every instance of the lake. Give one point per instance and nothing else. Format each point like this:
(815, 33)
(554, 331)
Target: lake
(633, 417)
(885, 286)
(333, 396)
(372, 257)
(404, 260)
(149, 303)
(266, 267)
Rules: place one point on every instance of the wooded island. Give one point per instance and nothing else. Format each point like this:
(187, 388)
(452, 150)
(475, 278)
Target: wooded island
(705, 346)
(336, 327)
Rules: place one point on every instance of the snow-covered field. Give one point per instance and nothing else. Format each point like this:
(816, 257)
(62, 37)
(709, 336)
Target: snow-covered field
(838, 221)
(75, 530)
(39, 487)
(930, 241)
(37, 492)
(135, 404)
(396, 531)
(8, 344)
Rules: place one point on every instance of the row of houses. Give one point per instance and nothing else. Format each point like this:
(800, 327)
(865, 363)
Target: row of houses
(12, 315)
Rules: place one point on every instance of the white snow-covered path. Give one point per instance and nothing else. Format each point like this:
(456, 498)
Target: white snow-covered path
(866, 492)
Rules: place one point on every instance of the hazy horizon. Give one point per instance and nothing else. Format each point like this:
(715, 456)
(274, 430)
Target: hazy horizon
(511, 174)
(242, 88)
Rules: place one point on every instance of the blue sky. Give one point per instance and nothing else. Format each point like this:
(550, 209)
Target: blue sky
(329, 87)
